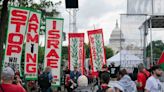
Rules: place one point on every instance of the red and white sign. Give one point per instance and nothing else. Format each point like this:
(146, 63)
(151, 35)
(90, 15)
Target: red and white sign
(53, 46)
(76, 51)
(96, 42)
(15, 37)
(31, 48)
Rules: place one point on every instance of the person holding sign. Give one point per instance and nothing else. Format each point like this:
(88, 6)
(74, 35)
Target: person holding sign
(74, 75)
(45, 80)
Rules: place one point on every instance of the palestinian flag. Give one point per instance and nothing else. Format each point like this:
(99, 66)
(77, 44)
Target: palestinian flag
(161, 61)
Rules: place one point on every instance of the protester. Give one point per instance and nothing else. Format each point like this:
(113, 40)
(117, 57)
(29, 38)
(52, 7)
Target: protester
(113, 70)
(45, 80)
(112, 64)
(153, 83)
(82, 85)
(105, 77)
(67, 79)
(90, 76)
(17, 72)
(32, 87)
(162, 77)
(67, 70)
(74, 75)
(7, 80)
(142, 76)
(125, 81)
(133, 75)
(115, 84)
(104, 70)
(39, 71)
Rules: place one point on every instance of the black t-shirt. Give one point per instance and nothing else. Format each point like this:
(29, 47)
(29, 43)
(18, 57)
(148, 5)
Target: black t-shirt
(114, 71)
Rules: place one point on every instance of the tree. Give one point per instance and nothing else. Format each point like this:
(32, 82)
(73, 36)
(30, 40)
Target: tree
(64, 53)
(158, 47)
(3, 24)
(41, 51)
(87, 50)
(109, 52)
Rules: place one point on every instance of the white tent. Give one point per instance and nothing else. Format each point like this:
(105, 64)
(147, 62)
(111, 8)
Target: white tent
(125, 58)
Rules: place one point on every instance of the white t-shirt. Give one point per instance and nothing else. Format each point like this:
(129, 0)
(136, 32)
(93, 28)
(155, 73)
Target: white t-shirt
(153, 85)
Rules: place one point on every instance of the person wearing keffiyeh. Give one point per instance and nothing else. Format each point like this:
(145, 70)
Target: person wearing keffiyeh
(125, 81)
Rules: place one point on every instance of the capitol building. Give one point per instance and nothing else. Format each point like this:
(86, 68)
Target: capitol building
(116, 40)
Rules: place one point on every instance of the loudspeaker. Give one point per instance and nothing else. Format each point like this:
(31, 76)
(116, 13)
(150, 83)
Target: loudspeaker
(71, 3)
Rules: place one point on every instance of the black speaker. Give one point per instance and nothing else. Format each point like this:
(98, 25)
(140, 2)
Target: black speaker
(71, 3)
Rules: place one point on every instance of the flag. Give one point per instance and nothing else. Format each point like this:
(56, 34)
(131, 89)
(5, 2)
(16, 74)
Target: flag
(17, 24)
(76, 51)
(97, 50)
(53, 48)
(31, 47)
(161, 61)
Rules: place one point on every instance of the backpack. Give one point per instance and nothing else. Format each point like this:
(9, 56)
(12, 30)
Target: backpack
(44, 81)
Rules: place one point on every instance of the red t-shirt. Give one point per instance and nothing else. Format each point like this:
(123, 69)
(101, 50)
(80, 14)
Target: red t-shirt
(142, 78)
(67, 81)
(12, 88)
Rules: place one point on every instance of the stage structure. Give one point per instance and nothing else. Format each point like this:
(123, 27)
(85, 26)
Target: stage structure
(133, 37)
(154, 20)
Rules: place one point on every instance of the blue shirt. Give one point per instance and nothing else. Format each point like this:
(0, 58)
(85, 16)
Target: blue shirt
(50, 76)
(74, 75)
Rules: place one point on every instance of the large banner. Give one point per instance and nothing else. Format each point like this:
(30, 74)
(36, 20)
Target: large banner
(53, 46)
(17, 23)
(76, 51)
(97, 50)
(31, 48)
(139, 7)
(155, 7)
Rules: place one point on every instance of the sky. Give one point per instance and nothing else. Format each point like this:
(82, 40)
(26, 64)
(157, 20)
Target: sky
(97, 14)
(94, 13)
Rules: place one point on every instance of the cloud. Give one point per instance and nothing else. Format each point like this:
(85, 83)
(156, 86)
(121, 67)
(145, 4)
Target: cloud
(98, 13)
(106, 22)
(101, 14)
(157, 34)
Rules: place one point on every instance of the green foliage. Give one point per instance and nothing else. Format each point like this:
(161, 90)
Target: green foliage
(30, 4)
(158, 47)
(87, 51)
(64, 53)
(109, 52)
(41, 54)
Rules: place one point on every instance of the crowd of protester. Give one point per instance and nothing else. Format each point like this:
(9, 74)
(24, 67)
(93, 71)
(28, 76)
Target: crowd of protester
(109, 79)
(116, 79)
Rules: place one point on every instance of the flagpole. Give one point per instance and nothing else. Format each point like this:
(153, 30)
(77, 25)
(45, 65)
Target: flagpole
(151, 44)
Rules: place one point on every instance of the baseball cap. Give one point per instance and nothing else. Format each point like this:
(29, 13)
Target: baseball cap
(7, 73)
(82, 80)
